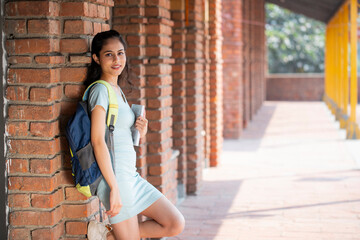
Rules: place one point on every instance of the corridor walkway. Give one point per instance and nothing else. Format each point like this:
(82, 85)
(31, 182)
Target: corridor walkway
(290, 176)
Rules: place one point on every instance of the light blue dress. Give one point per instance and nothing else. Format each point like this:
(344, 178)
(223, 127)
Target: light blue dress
(136, 193)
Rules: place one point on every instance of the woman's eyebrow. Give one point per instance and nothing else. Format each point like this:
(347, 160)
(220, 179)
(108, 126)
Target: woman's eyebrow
(112, 51)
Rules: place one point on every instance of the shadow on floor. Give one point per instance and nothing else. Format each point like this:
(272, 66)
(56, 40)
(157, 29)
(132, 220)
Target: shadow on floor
(251, 137)
(216, 198)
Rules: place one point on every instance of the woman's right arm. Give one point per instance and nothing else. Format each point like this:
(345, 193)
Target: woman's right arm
(98, 116)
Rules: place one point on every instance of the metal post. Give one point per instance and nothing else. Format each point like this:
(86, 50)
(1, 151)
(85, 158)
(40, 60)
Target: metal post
(353, 131)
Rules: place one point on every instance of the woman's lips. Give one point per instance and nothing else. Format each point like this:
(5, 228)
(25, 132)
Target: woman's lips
(116, 67)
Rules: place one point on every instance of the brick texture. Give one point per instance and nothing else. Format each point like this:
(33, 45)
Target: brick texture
(294, 87)
(47, 49)
(244, 63)
(194, 94)
(216, 83)
(232, 67)
(254, 57)
(178, 90)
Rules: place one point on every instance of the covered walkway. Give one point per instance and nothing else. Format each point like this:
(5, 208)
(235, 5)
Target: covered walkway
(292, 175)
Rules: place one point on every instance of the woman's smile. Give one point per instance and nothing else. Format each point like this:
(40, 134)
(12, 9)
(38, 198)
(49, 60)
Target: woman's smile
(116, 67)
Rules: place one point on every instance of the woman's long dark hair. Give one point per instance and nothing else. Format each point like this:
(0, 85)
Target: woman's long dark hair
(94, 70)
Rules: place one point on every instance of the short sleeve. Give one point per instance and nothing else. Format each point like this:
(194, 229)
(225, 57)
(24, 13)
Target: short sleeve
(98, 95)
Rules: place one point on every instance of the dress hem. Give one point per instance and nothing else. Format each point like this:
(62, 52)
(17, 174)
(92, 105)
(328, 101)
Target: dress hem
(113, 220)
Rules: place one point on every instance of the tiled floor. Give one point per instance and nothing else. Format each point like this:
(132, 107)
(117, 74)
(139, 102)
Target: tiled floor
(290, 176)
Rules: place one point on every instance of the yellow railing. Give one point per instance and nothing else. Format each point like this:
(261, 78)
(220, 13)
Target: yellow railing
(340, 29)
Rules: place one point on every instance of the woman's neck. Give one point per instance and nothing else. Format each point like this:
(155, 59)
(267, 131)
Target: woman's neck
(110, 79)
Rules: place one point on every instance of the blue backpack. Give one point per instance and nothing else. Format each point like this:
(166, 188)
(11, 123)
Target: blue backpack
(85, 170)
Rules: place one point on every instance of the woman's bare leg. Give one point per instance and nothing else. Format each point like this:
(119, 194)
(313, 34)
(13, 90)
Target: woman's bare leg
(127, 230)
(166, 220)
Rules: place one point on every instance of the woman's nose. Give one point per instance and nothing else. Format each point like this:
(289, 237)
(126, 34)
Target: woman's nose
(116, 58)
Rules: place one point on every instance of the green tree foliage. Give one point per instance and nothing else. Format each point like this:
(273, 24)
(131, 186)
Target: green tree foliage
(295, 43)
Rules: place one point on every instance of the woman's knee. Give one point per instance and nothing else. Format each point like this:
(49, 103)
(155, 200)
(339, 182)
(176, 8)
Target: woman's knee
(176, 225)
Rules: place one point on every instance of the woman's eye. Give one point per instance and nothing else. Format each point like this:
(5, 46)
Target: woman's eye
(108, 54)
(121, 53)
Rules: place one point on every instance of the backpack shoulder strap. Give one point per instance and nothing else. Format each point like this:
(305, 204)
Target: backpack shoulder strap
(113, 104)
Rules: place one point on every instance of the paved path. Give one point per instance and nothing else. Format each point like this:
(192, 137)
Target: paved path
(290, 176)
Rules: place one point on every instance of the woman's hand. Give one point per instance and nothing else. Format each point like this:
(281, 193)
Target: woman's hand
(115, 203)
(141, 124)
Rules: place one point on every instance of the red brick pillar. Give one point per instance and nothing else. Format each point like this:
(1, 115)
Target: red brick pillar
(179, 90)
(47, 44)
(194, 94)
(216, 81)
(260, 17)
(148, 27)
(246, 30)
(254, 48)
(232, 68)
(206, 86)
(244, 63)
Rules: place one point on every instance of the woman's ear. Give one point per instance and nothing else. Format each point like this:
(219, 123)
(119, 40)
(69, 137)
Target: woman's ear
(96, 59)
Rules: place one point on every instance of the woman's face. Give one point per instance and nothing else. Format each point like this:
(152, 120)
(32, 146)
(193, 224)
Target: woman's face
(112, 58)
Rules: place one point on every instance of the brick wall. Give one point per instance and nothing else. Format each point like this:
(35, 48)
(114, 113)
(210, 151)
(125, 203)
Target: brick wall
(294, 87)
(254, 57)
(194, 94)
(244, 62)
(197, 87)
(3, 179)
(47, 43)
(206, 83)
(232, 67)
(216, 81)
(246, 26)
(178, 91)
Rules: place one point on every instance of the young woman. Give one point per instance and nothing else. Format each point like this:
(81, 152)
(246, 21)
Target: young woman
(124, 193)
